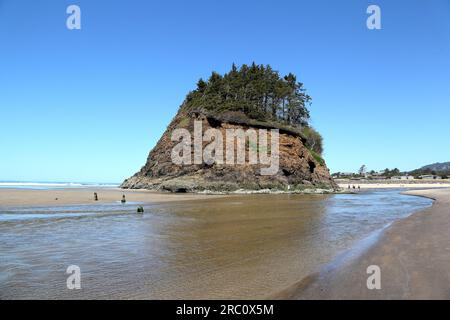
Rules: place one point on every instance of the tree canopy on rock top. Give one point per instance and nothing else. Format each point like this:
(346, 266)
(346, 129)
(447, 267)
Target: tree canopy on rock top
(257, 91)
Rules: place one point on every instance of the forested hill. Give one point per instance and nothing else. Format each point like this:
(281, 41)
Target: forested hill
(435, 168)
(444, 166)
(249, 97)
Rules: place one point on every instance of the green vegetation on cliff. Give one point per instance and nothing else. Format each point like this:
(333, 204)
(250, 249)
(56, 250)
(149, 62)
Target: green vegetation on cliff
(257, 94)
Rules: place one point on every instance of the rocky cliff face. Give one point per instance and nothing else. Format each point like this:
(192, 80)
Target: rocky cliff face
(298, 169)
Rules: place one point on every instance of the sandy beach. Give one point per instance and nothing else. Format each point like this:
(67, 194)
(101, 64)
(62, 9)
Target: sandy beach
(55, 197)
(393, 184)
(229, 247)
(413, 255)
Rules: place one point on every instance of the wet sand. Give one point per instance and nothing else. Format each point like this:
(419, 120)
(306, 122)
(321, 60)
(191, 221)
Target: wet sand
(413, 255)
(234, 247)
(55, 197)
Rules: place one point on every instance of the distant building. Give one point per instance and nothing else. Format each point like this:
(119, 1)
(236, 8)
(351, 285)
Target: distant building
(379, 178)
(430, 177)
(342, 174)
(402, 177)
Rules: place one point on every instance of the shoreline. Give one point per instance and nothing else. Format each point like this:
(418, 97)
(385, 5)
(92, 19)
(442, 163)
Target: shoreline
(78, 196)
(85, 195)
(403, 250)
(344, 187)
(392, 184)
(82, 196)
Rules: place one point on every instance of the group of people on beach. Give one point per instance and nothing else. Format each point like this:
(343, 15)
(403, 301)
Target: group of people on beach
(354, 187)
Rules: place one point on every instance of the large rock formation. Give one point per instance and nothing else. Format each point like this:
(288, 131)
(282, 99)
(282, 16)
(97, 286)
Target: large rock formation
(298, 168)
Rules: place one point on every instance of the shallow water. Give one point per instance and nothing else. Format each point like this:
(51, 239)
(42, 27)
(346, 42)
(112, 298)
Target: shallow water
(246, 246)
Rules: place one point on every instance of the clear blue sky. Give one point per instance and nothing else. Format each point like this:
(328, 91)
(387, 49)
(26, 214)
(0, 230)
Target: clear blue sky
(88, 105)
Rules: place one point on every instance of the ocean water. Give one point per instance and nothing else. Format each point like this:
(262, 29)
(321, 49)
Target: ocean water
(54, 185)
(243, 246)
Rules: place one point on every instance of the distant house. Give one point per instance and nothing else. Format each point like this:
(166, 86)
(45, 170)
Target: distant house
(402, 177)
(342, 174)
(379, 178)
(430, 177)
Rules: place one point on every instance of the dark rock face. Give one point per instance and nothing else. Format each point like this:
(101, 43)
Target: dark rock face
(297, 167)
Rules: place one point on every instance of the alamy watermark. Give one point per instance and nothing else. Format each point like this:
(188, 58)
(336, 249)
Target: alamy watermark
(74, 20)
(374, 280)
(373, 22)
(230, 150)
(74, 280)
